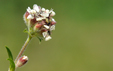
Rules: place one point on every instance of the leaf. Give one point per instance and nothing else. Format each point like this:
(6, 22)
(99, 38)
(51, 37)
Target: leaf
(25, 30)
(40, 38)
(12, 65)
(9, 53)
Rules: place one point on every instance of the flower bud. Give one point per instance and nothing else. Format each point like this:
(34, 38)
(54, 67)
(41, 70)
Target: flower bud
(53, 22)
(25, 17)
(21, 61)
(37, 26)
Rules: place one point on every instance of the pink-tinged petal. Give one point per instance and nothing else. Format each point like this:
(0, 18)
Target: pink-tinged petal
(26, 14)
(38, 25)
(53, 22)
(33, 21)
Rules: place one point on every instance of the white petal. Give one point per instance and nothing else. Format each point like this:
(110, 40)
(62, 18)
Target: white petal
(44, 34)
(43, 9)
(48, 38)
(29, 9)
(30, 17)
(53, 19)
(52, 27)
(45, 14)
(47, 11)
(52, 13)
(47, 27)
(39, 19)
(35, 7)
(33, 11)
(25, 57)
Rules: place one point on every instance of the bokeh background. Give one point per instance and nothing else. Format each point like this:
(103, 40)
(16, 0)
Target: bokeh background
(82, 41)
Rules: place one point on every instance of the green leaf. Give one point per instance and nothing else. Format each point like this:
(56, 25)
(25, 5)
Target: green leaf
(9, 53)
(40, 38)
(12, 65)
(25, 30)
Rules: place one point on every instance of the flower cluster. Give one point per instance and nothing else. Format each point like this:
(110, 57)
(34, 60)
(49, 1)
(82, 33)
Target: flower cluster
(40, 22)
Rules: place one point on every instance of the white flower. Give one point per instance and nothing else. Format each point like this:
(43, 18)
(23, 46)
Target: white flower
(43, 9)
(52, 13)
(52, 27)
(48, 38)
(36, 7)
(42, 17)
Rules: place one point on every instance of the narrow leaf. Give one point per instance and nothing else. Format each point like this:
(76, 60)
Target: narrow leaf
(40, 38)
(12, 65)
(25, 31)
(9, 53)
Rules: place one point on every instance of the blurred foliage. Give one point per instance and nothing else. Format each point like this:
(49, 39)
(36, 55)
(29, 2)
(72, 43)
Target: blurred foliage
(82, 40)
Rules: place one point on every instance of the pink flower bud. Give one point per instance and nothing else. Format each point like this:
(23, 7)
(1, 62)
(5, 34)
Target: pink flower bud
(53, 22)
(25, 17)
(37, 26)
(21, 61)
(26, 14)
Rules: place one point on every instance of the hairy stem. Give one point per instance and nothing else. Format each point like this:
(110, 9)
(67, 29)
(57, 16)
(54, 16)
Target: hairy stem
(23, 48)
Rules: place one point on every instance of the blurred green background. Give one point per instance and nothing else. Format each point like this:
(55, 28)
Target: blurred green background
(82, 41)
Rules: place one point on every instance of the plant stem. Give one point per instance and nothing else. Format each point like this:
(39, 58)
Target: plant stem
(23, 48)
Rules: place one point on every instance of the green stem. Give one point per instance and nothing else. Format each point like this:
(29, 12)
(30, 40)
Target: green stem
(23, 48)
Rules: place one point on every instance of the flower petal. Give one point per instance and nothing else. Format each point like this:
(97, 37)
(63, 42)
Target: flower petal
(45, 34)
(52, 13)
(47, 27)
(52, 27)
(30, 17)
(39, 19)
(43, 9)
(33, 11)
(53, 19)
(35, 7)
(29, 9)
(48, 38)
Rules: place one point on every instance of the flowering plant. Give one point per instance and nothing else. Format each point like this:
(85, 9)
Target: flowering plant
(39, 24)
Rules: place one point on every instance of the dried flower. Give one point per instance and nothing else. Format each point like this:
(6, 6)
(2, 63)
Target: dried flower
(40, 22)
(21, 61)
